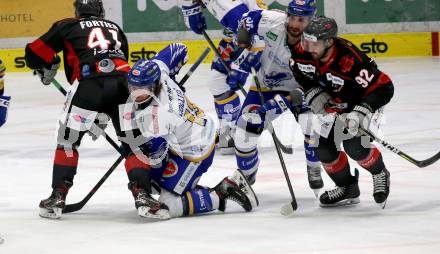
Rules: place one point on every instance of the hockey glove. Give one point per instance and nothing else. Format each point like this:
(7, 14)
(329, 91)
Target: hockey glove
(317, 99)
(275, 106)
(194, 18)
(47, 74)
(4, 104)
(236, 77)
(359, 117)
(156, 150)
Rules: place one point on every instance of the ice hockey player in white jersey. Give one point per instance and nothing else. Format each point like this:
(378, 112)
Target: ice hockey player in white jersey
(177, 142)
(226, 100)
(4, 100)
(282, 33)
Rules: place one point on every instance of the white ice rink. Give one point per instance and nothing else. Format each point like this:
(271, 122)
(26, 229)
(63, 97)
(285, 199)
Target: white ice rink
(109, 223)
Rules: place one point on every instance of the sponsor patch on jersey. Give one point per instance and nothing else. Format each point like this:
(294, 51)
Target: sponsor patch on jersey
(337, 82)
(129, 116)
(306, 68)
(81, 119)
(171, 169)
(106, 65)
(135, 72)
(272, 36)
(85, 71)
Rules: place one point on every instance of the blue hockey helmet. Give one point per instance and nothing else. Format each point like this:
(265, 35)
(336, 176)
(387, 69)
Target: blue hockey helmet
(303, 8)
(144, 79)
(144, 74)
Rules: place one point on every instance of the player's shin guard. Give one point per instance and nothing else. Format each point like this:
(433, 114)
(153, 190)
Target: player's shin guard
(313, 167)
(248, 163)
(64, 166)
(199, 200)
(227, 106)
(381, 176)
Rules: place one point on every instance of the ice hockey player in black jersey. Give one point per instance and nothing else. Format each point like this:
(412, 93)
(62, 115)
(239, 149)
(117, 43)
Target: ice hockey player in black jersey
(95, 54)
(342, 83)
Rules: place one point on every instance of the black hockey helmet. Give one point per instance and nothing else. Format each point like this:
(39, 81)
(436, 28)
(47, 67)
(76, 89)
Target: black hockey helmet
(84, 8)
(321, 28)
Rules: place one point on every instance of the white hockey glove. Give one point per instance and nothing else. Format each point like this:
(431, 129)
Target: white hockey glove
(317, 99)
(359, 117)
(47, 74)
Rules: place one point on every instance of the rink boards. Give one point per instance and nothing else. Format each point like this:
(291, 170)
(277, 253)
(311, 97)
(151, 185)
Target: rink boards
(375, 45)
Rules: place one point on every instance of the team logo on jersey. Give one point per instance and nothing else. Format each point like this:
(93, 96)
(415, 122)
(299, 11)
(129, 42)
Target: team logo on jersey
(346, 63)
(274, 79)
(81, 119)
(171, 169)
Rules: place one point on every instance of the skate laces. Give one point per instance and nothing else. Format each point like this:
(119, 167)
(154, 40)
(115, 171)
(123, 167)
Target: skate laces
(379, 182)
(336, 193)
(314, 174)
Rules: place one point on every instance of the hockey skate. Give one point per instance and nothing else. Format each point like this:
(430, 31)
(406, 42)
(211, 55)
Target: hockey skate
(341, 196)
(315, 179)
(243, 183)
(381, 190)
(148, 206)
(228, 189)
(52, 207)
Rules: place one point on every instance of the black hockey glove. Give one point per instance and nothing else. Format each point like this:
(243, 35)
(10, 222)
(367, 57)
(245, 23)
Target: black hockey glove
(47, 74)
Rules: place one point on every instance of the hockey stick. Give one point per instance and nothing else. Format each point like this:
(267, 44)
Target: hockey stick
(420, 164)
(285, 149)
(286, 209)
(194, 67)
(77, 206)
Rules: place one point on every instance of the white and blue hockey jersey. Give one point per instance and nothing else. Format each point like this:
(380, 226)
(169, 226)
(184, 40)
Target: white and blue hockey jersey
(274, 73)
(188, 131)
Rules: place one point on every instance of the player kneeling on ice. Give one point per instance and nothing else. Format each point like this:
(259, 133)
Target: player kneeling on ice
(345, 84)
(178, 142)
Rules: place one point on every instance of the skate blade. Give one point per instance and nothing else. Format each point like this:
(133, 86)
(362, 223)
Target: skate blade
(316, 192)
(347, 202)
(51, 214)
(382, 205)
(241, 180)
(161, 214)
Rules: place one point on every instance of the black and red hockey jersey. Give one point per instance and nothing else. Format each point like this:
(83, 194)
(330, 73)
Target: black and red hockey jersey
(350, 77)
(92, 47)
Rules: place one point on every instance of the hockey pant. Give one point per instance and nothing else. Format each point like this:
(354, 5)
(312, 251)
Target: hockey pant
(84, 101)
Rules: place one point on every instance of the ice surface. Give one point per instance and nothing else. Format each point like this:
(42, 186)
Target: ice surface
(109, 223)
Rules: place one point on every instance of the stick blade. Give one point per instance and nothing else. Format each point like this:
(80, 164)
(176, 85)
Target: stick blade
(289, 209)
(429, 161)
